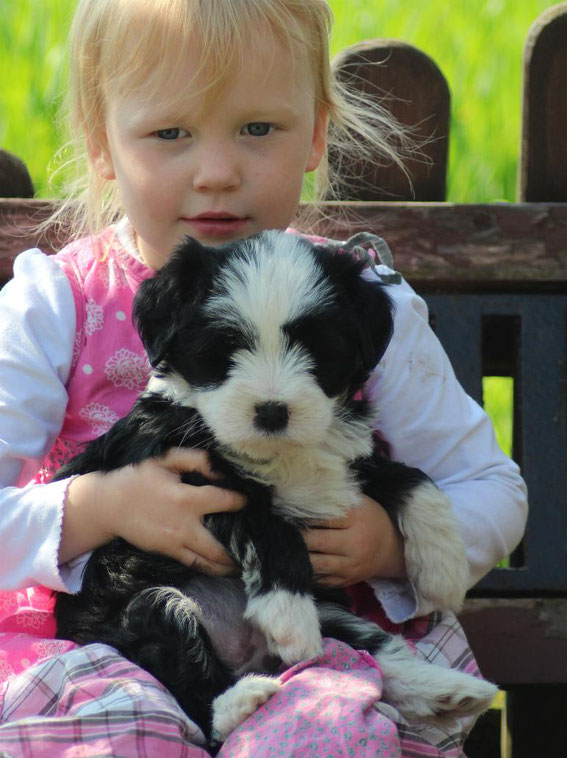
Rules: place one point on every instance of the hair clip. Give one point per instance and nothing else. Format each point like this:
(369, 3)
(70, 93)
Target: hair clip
(369, 248)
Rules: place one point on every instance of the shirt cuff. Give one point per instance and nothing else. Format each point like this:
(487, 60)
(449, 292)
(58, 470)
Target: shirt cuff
(71, 573)
(397, 597)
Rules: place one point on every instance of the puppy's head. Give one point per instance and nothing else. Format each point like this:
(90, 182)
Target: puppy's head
(269, 338)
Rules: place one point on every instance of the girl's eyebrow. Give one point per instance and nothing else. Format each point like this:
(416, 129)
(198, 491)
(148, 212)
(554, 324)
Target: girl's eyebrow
(281, 110)
(155, 119)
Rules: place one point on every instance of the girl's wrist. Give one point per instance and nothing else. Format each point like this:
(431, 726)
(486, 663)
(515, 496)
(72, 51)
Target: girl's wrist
(393, 564)
(87, 519)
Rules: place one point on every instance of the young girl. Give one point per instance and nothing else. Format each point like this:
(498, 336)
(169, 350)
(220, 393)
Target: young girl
(201, 118)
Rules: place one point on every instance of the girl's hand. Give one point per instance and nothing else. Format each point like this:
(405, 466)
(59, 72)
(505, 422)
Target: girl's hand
(149, 506)
(362, 545)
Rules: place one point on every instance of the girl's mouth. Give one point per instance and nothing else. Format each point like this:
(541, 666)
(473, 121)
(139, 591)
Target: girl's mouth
(216, 224)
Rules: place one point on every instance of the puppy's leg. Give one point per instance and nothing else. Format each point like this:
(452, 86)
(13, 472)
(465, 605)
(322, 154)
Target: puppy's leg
(418, 690)
(277, 575)
(434, 550)
(161, 631)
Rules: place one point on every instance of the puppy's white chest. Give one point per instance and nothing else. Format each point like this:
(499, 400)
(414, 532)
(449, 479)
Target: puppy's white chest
(312, 485)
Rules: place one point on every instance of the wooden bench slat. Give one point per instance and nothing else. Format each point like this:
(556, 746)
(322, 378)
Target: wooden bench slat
(436, 245)
(543, 165)
(413, 89)
(519, 642)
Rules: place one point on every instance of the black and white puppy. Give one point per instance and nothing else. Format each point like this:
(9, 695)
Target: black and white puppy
(259, 351)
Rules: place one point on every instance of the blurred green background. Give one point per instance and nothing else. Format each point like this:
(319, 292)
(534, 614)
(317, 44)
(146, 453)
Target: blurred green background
(477, 44)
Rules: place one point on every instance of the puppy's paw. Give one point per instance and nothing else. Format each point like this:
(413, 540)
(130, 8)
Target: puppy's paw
(451, 695)
(290, 623)
(424, 691)
(240, 701)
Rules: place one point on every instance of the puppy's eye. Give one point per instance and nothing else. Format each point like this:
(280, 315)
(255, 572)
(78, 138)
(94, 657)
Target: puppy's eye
(332, 348)
(203, 355)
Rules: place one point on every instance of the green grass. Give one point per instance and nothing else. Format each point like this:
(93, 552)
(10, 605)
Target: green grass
(477, 44)
(498, 394)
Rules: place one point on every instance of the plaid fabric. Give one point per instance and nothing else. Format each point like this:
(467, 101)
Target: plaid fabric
(92, 702)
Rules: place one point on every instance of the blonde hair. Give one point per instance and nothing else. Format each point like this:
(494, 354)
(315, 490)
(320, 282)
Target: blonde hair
(121, 43)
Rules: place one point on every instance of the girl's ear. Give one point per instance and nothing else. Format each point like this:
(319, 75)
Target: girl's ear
(319, 141)
(99, 155)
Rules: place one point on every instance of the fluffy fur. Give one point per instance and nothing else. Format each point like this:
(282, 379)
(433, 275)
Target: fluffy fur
(259, 351)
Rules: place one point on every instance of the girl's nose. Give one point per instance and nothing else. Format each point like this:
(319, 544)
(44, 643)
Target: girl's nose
(217, 170)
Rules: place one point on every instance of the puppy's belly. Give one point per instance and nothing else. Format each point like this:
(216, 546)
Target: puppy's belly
(239, 643)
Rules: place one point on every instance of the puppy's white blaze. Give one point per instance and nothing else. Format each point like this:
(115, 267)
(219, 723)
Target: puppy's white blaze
(434, 550)
(290, 623)
(277, 276)
(240, 701)
(421, 690)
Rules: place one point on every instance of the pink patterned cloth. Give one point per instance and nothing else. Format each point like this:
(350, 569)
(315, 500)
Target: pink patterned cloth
(90, 701)
(27, 630)
(110, 367)
(326, 708)
(59, 699)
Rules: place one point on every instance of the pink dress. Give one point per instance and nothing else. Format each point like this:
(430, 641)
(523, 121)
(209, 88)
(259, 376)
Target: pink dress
(59, 699)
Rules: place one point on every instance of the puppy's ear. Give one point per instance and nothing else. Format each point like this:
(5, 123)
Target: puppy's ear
(376, 312)
(165, 301)
(369, 300)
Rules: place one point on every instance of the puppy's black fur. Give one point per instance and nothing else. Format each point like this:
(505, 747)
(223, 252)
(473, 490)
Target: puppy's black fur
(207, 340)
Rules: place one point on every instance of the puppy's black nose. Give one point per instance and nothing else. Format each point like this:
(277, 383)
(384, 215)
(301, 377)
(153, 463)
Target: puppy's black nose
(271, 416)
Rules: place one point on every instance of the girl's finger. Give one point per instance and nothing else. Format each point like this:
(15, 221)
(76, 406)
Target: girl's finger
(337, 523)
(201, 564)
(324, 541)
(211, 499)
(327, 565)
(206, 549)
(330, 581)
(184, 459)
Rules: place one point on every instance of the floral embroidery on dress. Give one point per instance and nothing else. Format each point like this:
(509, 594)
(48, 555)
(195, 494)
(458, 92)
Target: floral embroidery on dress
(127, 369)
(31, 619)
(7, 601)
(94, 317)
(6, 669)
(99, 416)
(49, 648)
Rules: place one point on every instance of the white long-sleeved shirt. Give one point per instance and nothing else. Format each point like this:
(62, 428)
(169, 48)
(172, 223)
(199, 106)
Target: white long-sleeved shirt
(425, 415)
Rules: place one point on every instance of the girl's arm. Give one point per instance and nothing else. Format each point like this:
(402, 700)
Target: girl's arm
(431, 423)
(37, 326)
(44, 526)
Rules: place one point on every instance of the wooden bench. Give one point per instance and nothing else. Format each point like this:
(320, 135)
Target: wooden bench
(495, 278)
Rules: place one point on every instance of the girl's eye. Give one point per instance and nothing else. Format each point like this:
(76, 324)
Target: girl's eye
(171, 134)
(258, 129)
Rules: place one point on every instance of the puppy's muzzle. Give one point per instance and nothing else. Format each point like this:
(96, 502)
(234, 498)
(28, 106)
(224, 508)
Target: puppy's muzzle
(271, 416)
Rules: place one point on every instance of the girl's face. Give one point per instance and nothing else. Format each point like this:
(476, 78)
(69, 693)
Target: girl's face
(216, 171)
